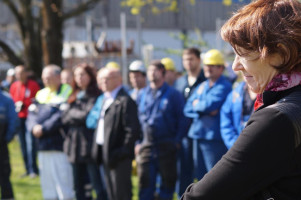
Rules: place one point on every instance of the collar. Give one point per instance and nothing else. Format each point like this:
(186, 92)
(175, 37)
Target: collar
(113, 93)
(280, 83)
(160, 89)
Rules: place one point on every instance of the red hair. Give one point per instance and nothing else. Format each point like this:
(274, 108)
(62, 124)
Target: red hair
(268, 27)
(92, 89)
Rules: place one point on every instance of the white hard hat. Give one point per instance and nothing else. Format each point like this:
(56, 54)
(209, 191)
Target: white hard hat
(10, 72)
(137, 66)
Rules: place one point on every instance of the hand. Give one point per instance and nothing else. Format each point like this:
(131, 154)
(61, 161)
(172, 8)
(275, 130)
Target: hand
(196, 101)
(137, 149)
(37, 131)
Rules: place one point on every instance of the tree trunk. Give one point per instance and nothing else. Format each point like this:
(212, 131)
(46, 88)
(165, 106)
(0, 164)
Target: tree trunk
(52, 36)
(31, 40)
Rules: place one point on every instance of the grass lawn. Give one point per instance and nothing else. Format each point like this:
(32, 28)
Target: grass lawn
(24, 188)
(29, 189)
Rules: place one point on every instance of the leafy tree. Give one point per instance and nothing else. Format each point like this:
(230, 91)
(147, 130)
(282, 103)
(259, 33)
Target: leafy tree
(156, 6)
(159, 6)
(40, 24)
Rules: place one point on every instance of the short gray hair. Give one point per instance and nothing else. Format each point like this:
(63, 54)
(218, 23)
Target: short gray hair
(54, 68)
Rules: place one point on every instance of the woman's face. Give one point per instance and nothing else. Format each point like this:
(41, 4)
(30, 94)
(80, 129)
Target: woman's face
(81, 78)
(256, 72)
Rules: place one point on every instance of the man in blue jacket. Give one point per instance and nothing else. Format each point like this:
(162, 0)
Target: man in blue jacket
(44, 122)
(203, 108)
(163, 124)
(236, 112)
(186, 84)
(8, 125)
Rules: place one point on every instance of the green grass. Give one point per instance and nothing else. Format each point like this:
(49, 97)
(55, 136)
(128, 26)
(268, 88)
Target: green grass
(29, 189)
(24, 188)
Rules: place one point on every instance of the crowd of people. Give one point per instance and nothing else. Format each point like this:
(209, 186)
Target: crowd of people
(88, 128)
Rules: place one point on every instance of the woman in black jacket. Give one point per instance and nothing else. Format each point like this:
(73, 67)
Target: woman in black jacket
(79, 138)
(265, 161)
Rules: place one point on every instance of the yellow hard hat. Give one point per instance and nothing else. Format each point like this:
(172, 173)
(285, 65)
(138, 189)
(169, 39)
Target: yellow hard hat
(213, 57)
(168, 64)
(112, 65)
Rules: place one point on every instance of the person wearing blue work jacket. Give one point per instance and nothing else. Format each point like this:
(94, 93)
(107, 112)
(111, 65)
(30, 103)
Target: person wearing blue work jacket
(163, 124)
(236, 112)
(203, 107)
(137, 78)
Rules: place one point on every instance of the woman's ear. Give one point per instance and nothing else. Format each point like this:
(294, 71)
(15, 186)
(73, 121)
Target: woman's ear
(284, 53)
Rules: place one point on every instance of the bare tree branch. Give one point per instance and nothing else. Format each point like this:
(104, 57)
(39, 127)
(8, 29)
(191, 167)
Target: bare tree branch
(12, 57)
(81, 8)
(16, 13)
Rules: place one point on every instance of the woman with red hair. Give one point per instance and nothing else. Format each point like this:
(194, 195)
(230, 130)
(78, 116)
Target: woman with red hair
(265, 161)
(78, 141)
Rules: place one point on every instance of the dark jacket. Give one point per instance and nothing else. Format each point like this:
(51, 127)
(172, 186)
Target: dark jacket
(8, 125)
(8, 118)
(183, 87)
(78, 141)
(265, 157)
(49, 116)
(121, 130)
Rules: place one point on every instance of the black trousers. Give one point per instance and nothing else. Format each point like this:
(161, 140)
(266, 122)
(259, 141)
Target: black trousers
(5, 170)
(118, 180)
(84, 173)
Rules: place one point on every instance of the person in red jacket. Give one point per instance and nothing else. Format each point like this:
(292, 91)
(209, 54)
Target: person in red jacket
(23, 91)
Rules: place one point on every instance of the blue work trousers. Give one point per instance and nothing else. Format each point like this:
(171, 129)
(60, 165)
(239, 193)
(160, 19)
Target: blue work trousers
(155, 163)
(206, 153)
(185, 166)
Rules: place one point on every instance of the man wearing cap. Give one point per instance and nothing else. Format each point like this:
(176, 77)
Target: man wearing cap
(171, 72)
(203, 107)
(137, 76)
(9, 79)
(186, 85)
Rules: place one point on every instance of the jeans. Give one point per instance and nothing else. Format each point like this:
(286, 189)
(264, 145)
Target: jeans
(28, 148)
(80, 171)
(206, 153)
(22, 140)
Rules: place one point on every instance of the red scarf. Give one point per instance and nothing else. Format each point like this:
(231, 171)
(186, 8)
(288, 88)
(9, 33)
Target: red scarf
(279, 83)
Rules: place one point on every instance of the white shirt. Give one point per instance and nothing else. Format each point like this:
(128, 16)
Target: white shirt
(109, 98)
